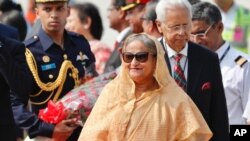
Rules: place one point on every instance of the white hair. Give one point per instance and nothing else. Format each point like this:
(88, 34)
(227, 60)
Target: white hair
(163, 5)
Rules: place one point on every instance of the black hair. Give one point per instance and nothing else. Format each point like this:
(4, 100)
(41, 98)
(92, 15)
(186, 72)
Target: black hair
(15, 19)
(192, 2)
(90, 10)
(207, 12)
(150, 13)
(7, 5)
(119, 3)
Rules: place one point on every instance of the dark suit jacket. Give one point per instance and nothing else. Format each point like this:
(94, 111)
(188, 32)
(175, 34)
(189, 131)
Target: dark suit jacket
(205, 87)
(9, 31)
(114, 60)
(14, 78)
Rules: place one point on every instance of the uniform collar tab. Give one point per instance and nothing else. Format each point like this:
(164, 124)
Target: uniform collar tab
(45, 40)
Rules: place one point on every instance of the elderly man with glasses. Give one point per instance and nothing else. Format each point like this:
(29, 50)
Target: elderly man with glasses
(195, 68)
(207, 30)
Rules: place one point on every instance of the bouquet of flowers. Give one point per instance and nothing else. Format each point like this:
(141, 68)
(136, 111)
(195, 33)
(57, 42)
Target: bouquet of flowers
(78, 102)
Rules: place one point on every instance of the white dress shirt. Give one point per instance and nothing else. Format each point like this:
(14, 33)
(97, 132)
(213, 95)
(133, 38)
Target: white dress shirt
(183, 61)
(123, 34)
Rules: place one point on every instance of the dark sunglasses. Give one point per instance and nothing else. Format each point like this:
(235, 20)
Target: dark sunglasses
(140, 57)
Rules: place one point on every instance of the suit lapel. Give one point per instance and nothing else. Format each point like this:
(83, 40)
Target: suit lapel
(166, 57)
(124, 38)
(195, 65)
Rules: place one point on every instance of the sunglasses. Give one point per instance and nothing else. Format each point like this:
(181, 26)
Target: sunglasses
(140, 57)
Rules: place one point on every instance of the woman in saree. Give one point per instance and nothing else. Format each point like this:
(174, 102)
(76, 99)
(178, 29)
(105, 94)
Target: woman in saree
(143, 103)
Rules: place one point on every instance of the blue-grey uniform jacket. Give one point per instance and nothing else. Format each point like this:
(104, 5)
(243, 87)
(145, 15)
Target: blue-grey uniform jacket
(49, 57)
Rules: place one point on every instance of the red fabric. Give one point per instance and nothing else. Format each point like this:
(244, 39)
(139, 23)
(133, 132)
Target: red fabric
(206, 86)
(138, 1)
(54, 113)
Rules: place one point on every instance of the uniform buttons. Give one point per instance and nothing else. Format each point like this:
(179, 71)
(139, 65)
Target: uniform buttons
(51, 76)
(65, 56)
(35, 37)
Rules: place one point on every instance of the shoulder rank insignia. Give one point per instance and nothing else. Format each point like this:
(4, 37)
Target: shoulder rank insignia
(240, 61)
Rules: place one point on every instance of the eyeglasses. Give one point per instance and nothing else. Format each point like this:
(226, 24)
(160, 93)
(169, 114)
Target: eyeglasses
(140, 57)
(201, 34)
(178, 28)
(144, 18)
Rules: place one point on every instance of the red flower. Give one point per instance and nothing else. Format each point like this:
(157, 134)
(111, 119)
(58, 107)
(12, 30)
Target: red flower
(54, 113)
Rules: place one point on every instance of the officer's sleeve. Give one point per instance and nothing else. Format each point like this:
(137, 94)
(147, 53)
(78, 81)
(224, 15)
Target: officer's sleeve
(246, 113)
(29, 121)
(90, 66)
(246, 81)
(14, 68)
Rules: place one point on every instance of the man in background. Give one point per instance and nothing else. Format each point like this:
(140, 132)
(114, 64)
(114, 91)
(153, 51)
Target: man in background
(135, 10)
(148, 20)
(118, 22)
(194, 68)
(207, 28)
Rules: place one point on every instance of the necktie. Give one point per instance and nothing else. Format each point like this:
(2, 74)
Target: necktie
(179, 76)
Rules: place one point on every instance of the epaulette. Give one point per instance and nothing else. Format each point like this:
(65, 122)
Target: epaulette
(31, 40)
(240, 61)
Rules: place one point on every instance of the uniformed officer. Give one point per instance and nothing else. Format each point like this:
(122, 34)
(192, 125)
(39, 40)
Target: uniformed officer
(58, 60)
(207, 30)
